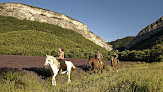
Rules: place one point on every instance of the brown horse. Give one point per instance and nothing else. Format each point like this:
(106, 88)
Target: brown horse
(95, 65)
(115, 63)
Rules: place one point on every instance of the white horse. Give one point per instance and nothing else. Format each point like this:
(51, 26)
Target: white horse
(54, 64)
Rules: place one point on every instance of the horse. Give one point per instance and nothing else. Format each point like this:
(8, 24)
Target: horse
(95, 65)
(55, 65)
(115, 63)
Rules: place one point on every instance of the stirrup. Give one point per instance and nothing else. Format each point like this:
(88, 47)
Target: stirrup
(60, 70)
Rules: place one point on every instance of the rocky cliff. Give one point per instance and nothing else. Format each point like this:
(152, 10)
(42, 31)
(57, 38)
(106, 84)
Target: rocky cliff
(22, 11)
(147, 32)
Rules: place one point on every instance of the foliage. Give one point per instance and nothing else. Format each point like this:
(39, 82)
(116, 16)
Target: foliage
(149, 55)
(132, 77)
(149, 42)
(14, 80)
(149, 50)
(120, 44)
(23, 37)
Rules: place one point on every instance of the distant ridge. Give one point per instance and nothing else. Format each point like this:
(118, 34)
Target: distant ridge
(148, 37)
(120, 44)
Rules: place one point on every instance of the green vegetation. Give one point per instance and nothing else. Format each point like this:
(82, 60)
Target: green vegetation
(149, 50)
(23, 37)
(153, 54)
(120, 44)
(149, 42)
(1, 7)
(132, 77)
(13, 80)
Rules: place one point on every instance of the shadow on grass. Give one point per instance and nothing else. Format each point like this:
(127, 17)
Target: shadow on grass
(84, 67)
(47, 72)
(43, 72)
(5, 69)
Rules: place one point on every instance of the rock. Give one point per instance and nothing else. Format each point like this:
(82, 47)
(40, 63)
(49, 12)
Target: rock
(147, 32)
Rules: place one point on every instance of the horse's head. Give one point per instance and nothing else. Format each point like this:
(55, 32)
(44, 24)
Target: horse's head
(47, 60)
(51, 60)
(112, 56)
(90, 59)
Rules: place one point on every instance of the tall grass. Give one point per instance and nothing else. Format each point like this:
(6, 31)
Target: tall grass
(132, 77)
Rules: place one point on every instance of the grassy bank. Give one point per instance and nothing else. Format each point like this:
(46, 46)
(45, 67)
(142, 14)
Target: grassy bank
(137, 77)
(32, 38)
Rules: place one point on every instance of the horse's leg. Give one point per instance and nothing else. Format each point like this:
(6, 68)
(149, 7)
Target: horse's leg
(117, 68)
(98, 69)
(53, 79)
(101, 69)
(90, 66)
(95, 70)
(68, 73)
(113, 67)
(69, 81)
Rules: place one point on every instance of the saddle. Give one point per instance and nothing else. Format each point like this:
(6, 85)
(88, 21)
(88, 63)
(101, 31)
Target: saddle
(63, 65)
(99, 61)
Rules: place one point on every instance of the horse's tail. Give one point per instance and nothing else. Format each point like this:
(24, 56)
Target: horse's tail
(73, 67)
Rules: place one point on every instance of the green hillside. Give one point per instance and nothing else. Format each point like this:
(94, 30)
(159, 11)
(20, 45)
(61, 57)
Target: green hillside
(149, 50)
(149, 42)
(120, 44)
(24, 37)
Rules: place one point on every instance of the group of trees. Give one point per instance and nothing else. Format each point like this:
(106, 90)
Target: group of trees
(121, 44)
(149, 49)
(155, 54)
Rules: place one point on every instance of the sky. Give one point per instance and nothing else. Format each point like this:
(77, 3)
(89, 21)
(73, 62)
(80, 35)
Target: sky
(109, 19)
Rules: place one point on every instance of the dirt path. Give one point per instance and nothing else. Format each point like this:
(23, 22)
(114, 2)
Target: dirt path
(19, 61)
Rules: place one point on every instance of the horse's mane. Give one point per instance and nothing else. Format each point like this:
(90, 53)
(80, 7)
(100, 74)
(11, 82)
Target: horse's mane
(92, 57)
(55, 61)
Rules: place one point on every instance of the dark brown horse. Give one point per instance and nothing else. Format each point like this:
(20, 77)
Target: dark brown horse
(115, 63)
(95, 65)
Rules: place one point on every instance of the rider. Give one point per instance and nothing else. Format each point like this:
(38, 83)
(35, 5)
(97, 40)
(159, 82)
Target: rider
(115, 55)
(99, 57)
(61, 59)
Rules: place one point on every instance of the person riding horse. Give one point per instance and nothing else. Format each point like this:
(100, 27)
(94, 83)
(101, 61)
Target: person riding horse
(114, 61)
(115, 55)
(61, 59)
(99, 57)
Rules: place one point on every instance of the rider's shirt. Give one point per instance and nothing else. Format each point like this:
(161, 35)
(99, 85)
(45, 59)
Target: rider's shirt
(60, 54)
(99, 55)
(115, 55)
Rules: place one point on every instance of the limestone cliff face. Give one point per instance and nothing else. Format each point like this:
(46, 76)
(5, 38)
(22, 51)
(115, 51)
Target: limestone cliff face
(147, 32)
(22, 11)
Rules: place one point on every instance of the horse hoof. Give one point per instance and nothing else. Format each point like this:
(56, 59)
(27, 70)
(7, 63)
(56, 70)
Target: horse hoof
(54, 84)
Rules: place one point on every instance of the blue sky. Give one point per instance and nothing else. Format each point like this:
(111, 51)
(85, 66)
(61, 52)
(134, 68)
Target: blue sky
(109, 19)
